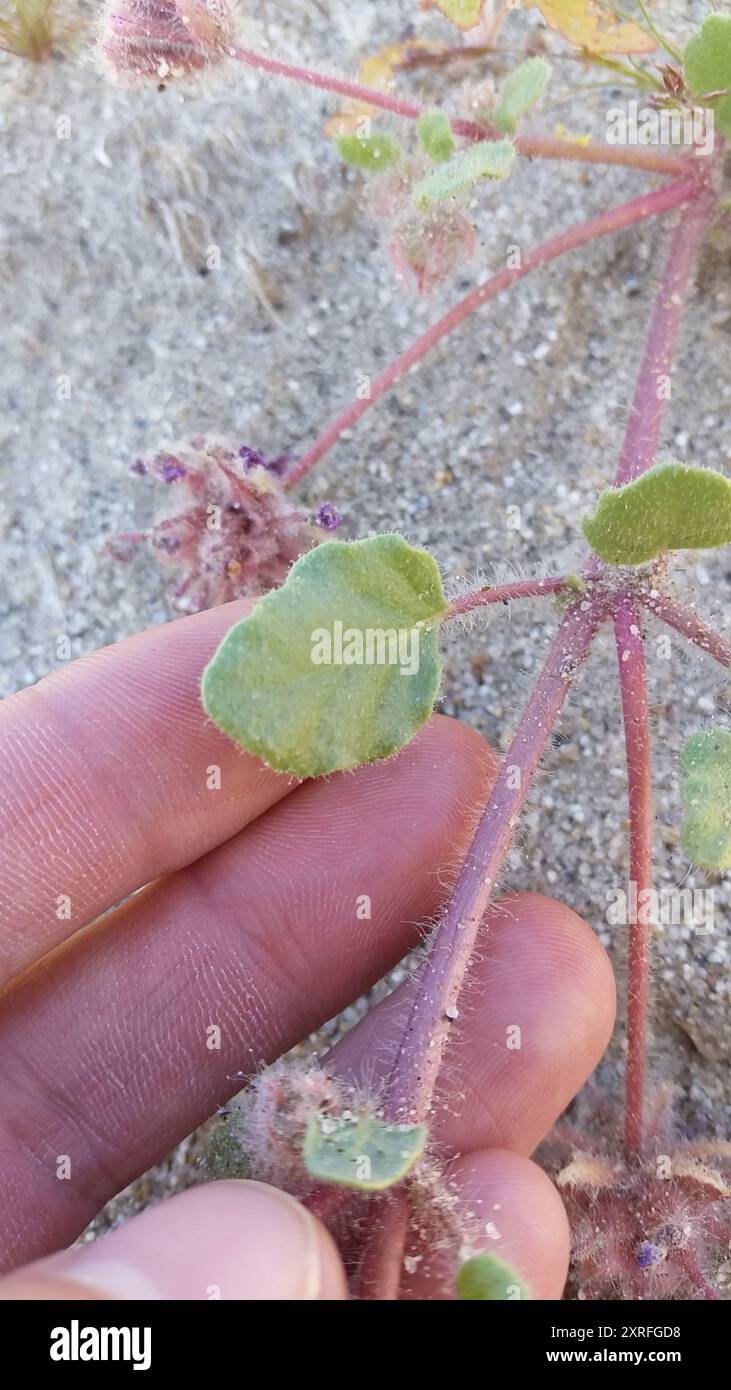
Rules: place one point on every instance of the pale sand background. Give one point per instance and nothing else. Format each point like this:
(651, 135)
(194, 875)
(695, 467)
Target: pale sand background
(103, 241)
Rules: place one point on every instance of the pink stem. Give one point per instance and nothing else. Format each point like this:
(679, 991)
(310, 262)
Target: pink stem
(633, 684)
(653, 383)
(437, 987)
(651, 161)
(685, 621)
(504, 593)
(379, 1277)
(616, 219)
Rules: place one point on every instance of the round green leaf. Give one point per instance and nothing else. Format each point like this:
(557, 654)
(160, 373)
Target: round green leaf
(671, 507)
(705, 784)
(489, 159)
(360, 1151)
(435, 136)
(486, 1277)
(520, 90)
(338, 667)
(464, 13)
(373, 152)
(707, 66)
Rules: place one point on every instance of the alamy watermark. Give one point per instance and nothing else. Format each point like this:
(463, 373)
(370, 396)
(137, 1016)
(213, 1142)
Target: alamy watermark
(666, 907)
(646, 125)
(370, 646)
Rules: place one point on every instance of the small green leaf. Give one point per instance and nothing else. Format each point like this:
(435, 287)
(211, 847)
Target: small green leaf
(373, 152)
(361, 1151)
(435, 136)
(489, 159)
(464, 13)
(707, 66)
(486, 1278)
(671, 507)
(705, 784)
(520, 90)
(338, 667)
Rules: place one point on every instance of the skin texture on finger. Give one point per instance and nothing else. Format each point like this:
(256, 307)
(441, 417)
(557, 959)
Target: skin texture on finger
(223, 1241)
(508, 1206)
(534, 1021)
(108, 779)
(106, 1049)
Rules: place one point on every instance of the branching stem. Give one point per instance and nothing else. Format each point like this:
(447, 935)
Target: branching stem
(662, 200)
(685, 621)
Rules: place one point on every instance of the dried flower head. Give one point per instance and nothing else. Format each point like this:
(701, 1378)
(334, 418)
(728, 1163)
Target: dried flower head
(233, 531)
(162, 41)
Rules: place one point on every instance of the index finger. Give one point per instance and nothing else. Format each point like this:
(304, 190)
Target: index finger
(110, 776)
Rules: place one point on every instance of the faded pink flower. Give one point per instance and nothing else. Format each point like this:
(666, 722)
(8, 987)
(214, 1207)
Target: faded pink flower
(233, 532)
(156, 40)
(429, 246)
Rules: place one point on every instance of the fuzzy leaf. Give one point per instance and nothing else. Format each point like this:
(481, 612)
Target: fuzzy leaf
(310, 717)
(435, 136)
(486, 1278)
(705, 785)
(490, 159)
(464, 13)
(586, 25)
(707, 66)
(519, 91)
(361, 1152)
(373, 152)
(671, 507)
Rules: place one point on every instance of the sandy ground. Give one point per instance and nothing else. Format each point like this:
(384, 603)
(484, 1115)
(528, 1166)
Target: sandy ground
(104, 284)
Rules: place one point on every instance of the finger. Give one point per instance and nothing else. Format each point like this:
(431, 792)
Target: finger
(534, 1021)
(184, 1249)
(110, 775)
(128, 1037)
(507, 1205)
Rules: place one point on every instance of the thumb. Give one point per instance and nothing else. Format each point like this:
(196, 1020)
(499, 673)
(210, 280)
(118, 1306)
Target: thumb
(227, 1240)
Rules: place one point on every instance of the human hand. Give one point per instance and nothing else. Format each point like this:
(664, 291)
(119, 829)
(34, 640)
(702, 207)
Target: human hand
(111, 778)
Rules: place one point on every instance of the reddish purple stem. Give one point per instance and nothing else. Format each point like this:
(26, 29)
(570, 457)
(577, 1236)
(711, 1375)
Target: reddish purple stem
(437, 987)
(633, 685)
(504, 593)
(685, 621)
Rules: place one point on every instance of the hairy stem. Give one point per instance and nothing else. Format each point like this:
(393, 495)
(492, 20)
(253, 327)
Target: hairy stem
(654, 380)
(504, 593)
(685, 621)
(651, 161)
(437, 987)
(379, 1277)
(633, 685)
(663, 199)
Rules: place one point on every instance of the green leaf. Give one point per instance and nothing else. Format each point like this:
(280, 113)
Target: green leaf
(464, 13)
(518, 93)
(490, 159)
(435, 136)
(671, 507)
(486, 1277)
(707, 66)
(361, 1151)
(338, 667)
(705, 784)
(373, 152)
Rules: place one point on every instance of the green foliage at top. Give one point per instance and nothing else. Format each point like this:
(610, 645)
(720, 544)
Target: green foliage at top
(705, 783)
(520, 90)
(671, 507)
(372, 152)
(338, 667)
(464, 13)
(485, 1278)
(360, 1151)
(707, 66)
(435, 136)
(489, 159)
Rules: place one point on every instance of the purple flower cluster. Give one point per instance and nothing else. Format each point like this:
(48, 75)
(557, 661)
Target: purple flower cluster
(233, 531)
